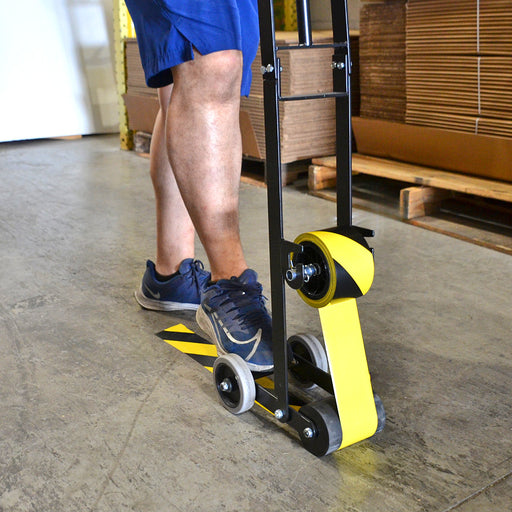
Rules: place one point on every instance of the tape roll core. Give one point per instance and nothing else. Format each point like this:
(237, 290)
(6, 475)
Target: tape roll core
(347, 268)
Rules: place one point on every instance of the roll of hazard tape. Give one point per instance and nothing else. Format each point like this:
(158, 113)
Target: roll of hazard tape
(346, 272)
(347, 268)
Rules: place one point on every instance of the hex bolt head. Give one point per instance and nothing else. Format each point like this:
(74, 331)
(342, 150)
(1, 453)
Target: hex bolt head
(225, 386)
(279, 414)
(308, 432)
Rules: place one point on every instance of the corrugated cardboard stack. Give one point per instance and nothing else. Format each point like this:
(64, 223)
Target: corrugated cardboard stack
(459, 65)
(141, 101)
(135, 80)
(382, 60)
(308, 128)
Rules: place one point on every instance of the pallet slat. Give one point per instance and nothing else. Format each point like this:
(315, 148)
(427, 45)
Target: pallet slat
(420, 201)
(425, 176)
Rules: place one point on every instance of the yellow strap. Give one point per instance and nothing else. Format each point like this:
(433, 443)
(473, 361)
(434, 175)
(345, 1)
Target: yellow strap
(349, 370)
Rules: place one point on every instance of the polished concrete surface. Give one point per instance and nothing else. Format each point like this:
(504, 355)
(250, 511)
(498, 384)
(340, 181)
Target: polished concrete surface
(99, 414)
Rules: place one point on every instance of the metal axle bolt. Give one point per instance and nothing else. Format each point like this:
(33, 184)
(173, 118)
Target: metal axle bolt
(267, 69)
(308, 432)
(337, 65)
(297, 276)
(279, 414)
(225, 386)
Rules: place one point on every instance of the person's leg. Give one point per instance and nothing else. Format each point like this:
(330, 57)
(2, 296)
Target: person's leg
(175, 231)
(176, 280)
(205, 150)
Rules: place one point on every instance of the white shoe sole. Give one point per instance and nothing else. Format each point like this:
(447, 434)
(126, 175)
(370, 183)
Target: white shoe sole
(163, 305)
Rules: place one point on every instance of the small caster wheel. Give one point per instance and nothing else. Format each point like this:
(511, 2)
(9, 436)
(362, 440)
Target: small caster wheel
(235, 383)
(328, 435)
(381, 413)
(310, 349)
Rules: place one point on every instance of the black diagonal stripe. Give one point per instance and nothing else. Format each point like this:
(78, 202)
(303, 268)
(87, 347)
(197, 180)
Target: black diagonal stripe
(191, 337)
(208, 361)
(346, 287)
(204, 360)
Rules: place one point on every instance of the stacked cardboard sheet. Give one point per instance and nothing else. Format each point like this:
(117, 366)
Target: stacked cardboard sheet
(308, 128)
(382, 60)
(303, 71)
(141, 101)
(459, 27)
(135, 81)
(459, 65)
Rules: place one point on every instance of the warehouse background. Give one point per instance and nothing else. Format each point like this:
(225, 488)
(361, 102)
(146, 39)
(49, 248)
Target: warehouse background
(57, 66)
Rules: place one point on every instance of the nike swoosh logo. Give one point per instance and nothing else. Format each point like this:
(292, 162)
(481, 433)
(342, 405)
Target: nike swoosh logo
(154, 295)
(255, 339)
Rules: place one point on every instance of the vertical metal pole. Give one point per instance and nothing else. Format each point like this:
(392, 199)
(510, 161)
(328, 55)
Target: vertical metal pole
(123, 28)
(304, 22)
(341, 82)
(271, 69)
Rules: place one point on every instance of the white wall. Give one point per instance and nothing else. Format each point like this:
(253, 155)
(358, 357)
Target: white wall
(56, 68)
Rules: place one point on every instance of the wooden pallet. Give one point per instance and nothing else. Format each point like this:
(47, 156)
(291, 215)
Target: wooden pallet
(431, 185)
(430, 202)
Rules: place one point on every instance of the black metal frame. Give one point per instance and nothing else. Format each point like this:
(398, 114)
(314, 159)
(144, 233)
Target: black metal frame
(281, 251)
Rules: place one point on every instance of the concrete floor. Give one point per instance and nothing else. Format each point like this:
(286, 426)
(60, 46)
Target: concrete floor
(99, 414)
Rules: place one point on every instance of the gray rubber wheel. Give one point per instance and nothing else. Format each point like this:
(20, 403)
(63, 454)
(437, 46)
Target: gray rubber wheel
(309, 348)
(234, 383)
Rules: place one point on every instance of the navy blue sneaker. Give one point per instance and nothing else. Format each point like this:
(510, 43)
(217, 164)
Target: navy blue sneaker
(234, 316)
(180, 292)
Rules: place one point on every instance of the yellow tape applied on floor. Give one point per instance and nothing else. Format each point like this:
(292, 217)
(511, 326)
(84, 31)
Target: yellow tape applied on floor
(204, 352)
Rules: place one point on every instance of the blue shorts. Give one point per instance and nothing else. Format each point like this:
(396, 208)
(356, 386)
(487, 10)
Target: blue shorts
(168, 30)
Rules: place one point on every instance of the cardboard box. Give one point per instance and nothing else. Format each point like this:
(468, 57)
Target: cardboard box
(308, 128)
(382, 60)
(466, 153)
(142, 111)
(467, 27)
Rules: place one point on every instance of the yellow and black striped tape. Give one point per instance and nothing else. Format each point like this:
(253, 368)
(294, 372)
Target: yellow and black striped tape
(205, 353)
(350, 267)
(188, 342)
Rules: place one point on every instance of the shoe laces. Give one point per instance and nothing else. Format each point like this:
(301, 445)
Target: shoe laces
(196, 269)
(246, 299)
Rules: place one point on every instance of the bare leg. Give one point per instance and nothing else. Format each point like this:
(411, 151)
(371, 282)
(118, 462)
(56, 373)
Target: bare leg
(175, 231)
(205, 150)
